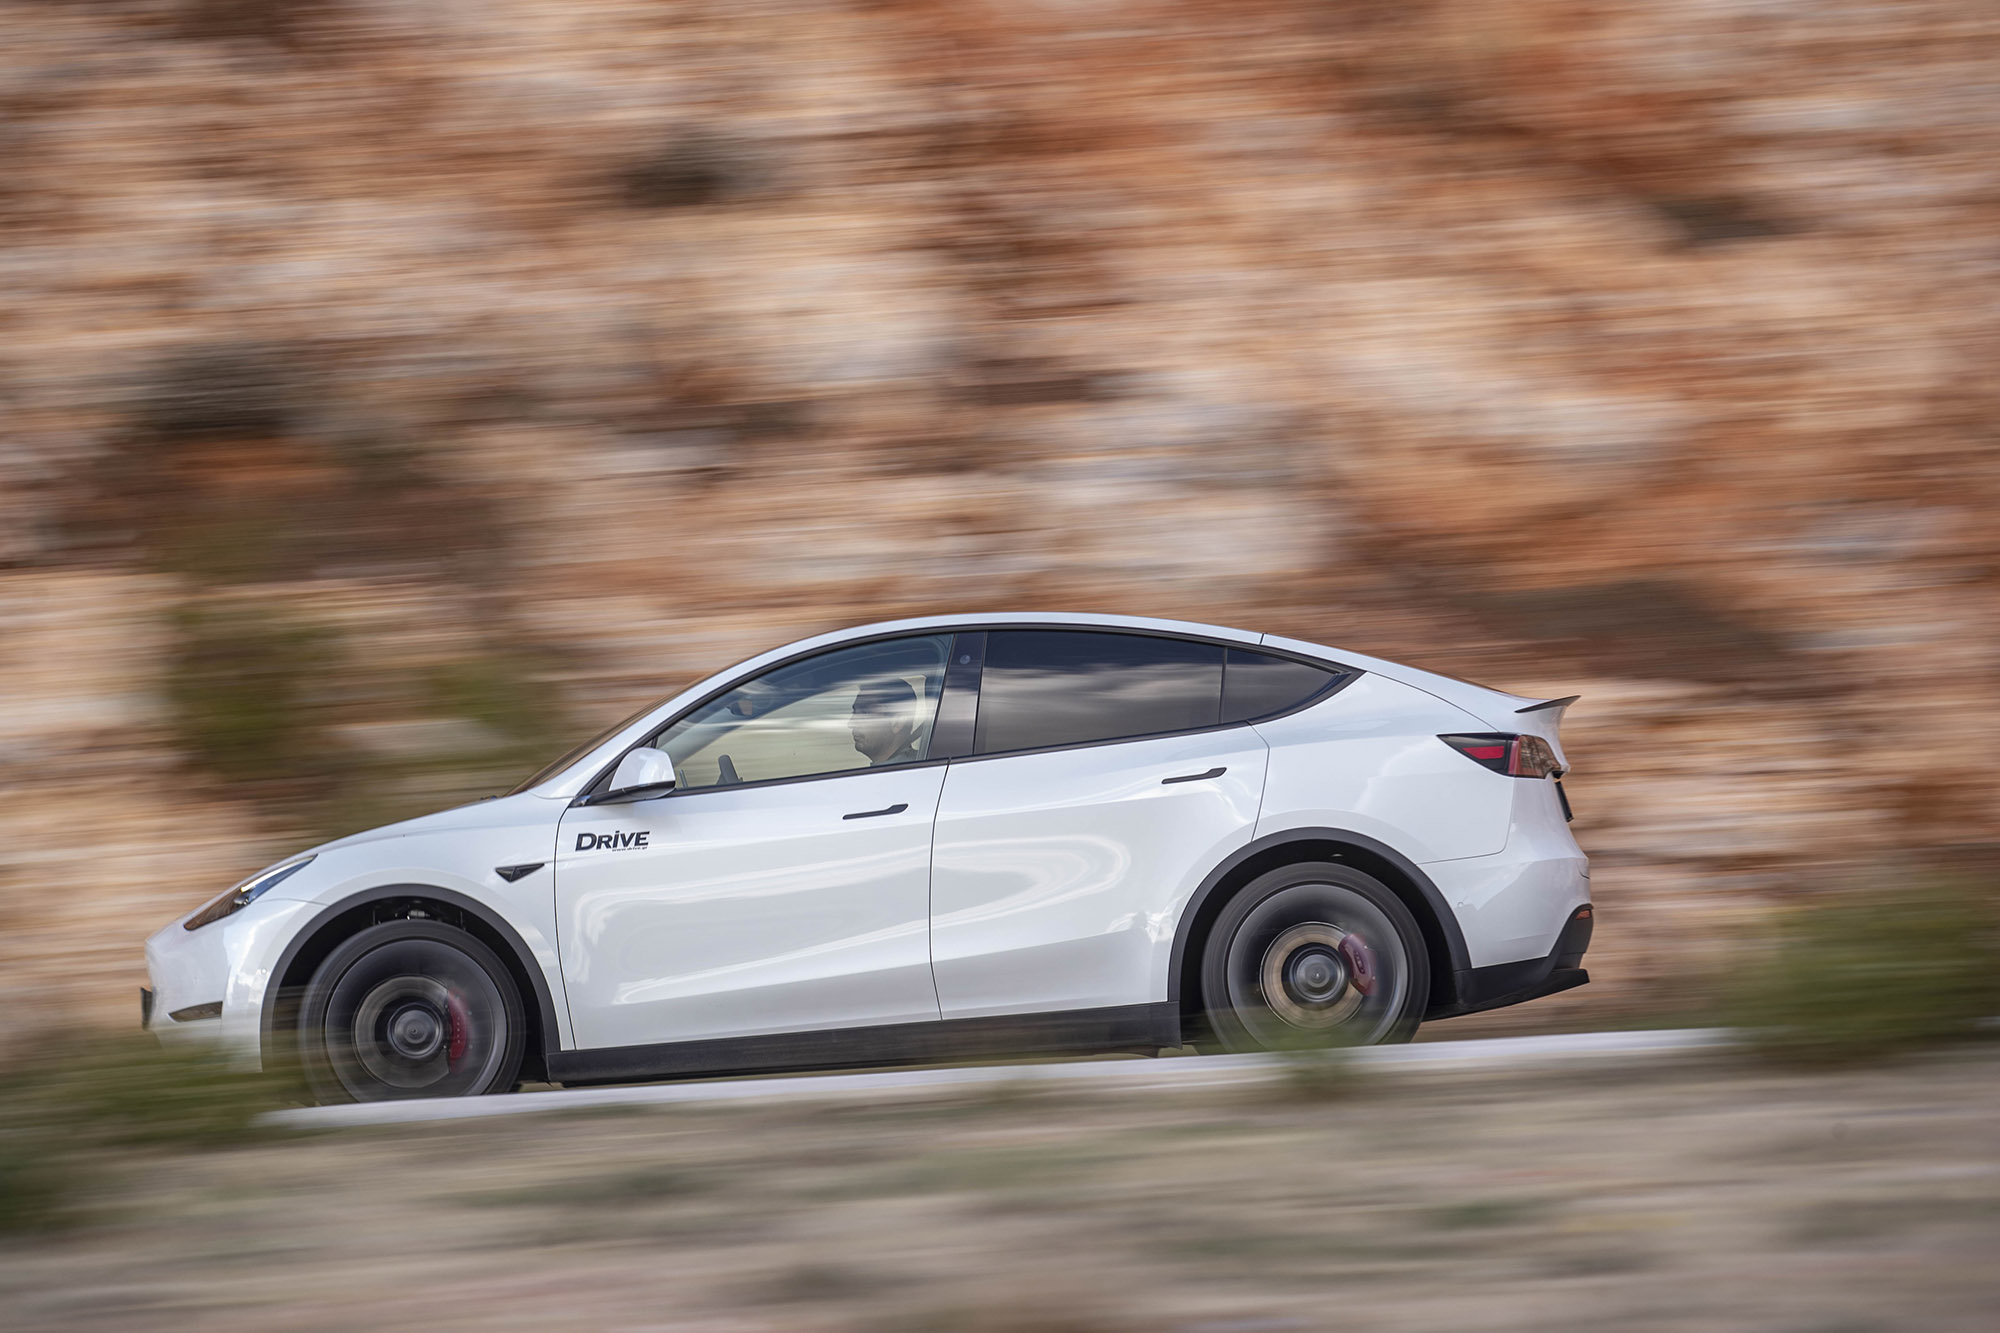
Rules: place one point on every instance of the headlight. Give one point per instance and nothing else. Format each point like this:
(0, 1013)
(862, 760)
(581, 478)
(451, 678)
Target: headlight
(246, 893)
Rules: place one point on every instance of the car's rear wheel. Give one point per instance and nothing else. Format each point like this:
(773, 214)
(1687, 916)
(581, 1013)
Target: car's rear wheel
(1314, 955)
(410, 1009)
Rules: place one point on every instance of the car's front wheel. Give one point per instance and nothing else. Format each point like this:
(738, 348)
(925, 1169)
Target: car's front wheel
(1314, 955)
(410, 1009)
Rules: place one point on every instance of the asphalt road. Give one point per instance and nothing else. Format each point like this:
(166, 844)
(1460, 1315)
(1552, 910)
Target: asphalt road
(1133, 1074)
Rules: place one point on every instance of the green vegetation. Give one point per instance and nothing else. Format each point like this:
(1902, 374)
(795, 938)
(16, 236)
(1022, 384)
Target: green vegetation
(513, 707)
(1863, 974)
(73, 1109)
(1320, 1068)
(251, 468)
(258, 698)
(1031, 1314)
(618, 1189)
(1324, 1074)
(34, 1186)
(1484, 1214)
(240, 688)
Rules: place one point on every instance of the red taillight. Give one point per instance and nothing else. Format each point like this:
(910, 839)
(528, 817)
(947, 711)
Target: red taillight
(1516, 756)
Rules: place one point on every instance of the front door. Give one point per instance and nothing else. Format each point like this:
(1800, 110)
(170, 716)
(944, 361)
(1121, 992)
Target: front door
(784, 885)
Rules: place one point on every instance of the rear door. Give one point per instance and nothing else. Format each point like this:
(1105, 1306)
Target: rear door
(1102, 787)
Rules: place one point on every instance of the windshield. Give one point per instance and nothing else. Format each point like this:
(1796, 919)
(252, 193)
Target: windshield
(570, 756)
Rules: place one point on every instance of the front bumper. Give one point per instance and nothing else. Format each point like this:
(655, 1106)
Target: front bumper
(228, 963)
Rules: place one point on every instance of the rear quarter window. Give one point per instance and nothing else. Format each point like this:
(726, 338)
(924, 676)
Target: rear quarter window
(1260, 684)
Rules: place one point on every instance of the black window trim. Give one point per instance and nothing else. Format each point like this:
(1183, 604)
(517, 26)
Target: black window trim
(1343, 676)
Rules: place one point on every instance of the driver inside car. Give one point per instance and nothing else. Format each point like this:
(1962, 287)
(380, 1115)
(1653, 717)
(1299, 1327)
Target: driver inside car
(884, 723)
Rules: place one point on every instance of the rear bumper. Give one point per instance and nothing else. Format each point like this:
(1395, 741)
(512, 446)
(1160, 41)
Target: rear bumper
(1513, 905)
(1481, 988)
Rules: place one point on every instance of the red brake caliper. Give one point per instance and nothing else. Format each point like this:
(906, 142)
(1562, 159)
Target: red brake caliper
(461, 1027)
(1360, 963)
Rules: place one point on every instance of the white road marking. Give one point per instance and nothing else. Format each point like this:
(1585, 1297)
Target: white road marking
(1174, 1072)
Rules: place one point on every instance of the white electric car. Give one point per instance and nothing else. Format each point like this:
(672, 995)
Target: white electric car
(921, 839)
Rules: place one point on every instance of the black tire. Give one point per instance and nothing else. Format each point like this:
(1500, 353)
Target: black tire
(1314, 955)
(410, 1009)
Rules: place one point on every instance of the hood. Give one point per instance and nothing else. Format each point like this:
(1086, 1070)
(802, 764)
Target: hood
(494, 812)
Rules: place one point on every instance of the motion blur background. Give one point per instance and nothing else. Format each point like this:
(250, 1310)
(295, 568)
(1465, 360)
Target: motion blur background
(392, 393)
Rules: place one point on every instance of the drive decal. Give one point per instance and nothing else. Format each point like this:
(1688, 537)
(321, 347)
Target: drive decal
(590, 842)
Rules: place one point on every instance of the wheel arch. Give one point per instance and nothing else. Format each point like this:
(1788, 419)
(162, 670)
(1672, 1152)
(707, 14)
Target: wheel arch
(1444, 940)
(342, 920)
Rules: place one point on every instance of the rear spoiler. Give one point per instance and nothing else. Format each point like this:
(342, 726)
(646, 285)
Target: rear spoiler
(1544, 718)
(1563, 702)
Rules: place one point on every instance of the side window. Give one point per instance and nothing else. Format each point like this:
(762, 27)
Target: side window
(1064, 687)
(1258, 684)
(869, 706)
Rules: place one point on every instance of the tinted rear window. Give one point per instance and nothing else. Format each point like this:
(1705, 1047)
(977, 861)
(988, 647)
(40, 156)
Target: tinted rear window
(1064, 687)
(1258, 685)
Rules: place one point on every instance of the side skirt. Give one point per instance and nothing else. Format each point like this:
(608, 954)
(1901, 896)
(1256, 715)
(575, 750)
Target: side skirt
(1133, 1027)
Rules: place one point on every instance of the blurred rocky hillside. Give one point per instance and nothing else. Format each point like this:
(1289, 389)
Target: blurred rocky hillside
(392, 392)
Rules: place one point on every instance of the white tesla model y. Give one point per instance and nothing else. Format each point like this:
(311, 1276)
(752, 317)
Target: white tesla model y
(921, 839)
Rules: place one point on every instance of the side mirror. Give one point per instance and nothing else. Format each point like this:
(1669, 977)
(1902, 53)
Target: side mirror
(643, 772)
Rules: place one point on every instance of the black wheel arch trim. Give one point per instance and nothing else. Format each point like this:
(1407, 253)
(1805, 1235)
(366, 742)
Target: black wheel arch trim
(544, 1000)
(1434, 900)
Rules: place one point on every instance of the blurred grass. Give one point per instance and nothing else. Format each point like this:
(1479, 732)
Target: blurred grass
(239, 689)
(1033, 1314)
(1482, 1214)
(505, 695)
(75, 1107)
(268, 703)
(1319, 1068)
(1575, 1196)
(1325, 1074)
(1865, 973)
(619, 1189)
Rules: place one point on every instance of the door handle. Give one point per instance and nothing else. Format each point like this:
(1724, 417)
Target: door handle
(895, 809)
(1194, 777)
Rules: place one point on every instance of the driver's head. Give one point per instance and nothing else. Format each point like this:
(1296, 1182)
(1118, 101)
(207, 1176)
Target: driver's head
(750, 701)
(885, 718)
